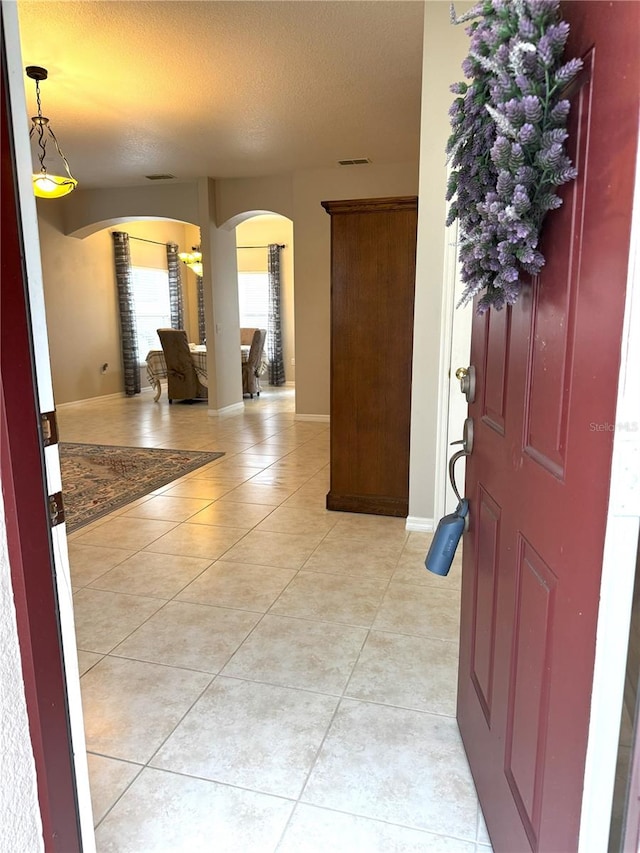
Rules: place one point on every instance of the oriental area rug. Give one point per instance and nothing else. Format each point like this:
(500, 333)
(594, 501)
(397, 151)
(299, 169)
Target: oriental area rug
(98, 478)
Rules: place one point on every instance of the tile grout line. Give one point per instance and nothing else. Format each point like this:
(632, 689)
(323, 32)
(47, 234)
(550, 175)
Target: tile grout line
(314, 762)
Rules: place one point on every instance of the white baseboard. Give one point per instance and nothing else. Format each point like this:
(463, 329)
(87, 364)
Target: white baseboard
(88, 400)
(226, 410)
(423, 525)
(322, 419)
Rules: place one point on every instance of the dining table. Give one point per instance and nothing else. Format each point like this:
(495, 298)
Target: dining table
(157, 366)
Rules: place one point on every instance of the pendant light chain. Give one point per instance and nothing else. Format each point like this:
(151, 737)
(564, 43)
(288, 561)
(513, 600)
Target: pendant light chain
(38, 99)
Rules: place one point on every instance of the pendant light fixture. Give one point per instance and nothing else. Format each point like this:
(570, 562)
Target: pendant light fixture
(192, 259)
(46, 184)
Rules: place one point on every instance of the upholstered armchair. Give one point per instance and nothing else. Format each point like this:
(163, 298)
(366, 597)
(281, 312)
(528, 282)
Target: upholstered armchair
(252, 367)
(182, 379)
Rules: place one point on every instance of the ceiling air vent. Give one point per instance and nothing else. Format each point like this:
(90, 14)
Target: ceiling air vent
(159, 177)
(357, 161)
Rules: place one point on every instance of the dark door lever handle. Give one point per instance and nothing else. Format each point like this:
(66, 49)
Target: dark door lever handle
(467, 447)
(452, 476)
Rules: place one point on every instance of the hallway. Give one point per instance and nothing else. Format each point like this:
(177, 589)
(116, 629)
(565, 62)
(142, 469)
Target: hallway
(259, 674)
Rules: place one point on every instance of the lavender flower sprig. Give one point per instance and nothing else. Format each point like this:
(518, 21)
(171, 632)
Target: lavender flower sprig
(506, 147)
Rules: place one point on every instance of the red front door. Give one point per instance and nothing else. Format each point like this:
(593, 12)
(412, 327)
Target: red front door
(538, 477)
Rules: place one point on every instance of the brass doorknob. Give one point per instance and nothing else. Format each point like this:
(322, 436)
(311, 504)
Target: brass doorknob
(461, 372)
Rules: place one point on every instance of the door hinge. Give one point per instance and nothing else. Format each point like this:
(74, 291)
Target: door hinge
(49, 428)
(56, 509)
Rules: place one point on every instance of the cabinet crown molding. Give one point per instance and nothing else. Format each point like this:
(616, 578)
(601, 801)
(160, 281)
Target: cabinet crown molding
(371, 205)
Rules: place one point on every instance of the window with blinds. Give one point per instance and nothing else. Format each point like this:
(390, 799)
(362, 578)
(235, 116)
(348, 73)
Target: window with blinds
(253, 299)
(151, 302)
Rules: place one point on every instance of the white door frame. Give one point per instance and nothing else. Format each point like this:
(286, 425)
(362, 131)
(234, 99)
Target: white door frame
(455, 345)
(29, 224)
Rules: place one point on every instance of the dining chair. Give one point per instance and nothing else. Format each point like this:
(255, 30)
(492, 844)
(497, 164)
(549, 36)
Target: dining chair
(182, 379)
(253, 366)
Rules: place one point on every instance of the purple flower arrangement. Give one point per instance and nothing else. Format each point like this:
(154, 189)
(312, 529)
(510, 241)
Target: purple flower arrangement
(506, 147)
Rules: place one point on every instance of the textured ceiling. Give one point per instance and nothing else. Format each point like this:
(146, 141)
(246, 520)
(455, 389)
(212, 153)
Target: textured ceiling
(225, 89)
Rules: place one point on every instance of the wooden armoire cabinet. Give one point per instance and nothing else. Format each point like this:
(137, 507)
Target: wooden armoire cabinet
(373, 265)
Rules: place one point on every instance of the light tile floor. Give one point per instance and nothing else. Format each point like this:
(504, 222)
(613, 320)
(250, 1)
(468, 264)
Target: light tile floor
(260, 674)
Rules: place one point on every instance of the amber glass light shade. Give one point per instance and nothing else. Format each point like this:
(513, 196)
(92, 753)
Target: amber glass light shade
(52, 186)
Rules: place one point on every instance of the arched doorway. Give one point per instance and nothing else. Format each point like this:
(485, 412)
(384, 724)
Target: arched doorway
(254, 235)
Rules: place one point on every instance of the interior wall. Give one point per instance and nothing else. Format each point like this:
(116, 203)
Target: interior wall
(260, 231)
(235, 196)
(82, 309)
(445, 46)
(313, 251)
(81, 300)
(84, 210)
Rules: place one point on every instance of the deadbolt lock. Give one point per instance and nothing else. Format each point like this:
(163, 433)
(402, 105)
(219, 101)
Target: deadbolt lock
(467, 378)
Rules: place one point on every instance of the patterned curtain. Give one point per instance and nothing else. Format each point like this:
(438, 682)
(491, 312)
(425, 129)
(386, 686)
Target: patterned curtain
(122, 259)
(274, 353)
(175, 287)
(202, 333)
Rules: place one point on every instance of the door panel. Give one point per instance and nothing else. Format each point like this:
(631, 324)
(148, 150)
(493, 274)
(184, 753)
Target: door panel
(554, 315)
(528, 704)
(539, 473)
(497, 328)
(485, 614)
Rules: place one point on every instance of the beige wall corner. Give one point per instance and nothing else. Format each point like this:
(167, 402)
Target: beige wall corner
(445, 46)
